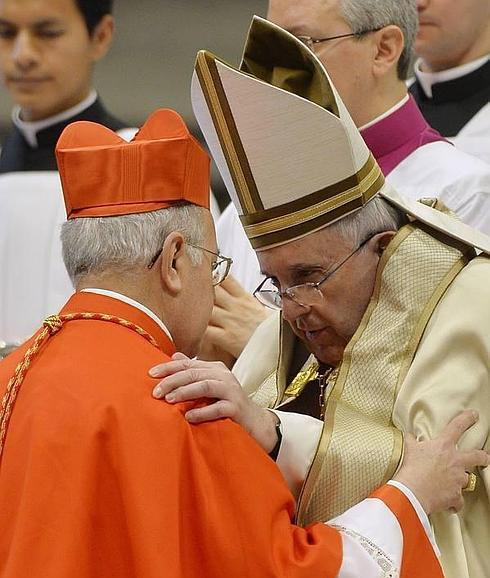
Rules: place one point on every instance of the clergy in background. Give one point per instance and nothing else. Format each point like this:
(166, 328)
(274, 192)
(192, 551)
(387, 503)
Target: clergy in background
(452, 74)
(48, 50)
(98, 479)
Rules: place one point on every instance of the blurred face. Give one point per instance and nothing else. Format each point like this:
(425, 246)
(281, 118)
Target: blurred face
(452, 32)
(347, 60)
(325, 328)
(198, 297)
(46, 55)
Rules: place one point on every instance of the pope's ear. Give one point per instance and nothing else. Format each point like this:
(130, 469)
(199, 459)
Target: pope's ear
(382, 240)
(172, 263)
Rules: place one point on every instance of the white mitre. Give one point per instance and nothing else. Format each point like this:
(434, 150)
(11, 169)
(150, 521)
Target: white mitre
(288, 151)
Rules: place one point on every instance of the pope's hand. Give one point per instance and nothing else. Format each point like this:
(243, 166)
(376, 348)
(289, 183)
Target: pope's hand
(187, 379)
(436, 471)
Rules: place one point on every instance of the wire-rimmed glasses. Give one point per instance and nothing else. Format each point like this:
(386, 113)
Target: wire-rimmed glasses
(305, 294)
(220, 266)
(311, 42)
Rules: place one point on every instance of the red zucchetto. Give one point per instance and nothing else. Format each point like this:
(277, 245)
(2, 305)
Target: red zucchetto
(103, 175)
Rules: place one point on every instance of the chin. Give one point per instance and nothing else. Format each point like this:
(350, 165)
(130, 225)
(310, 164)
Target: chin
(332, 359)
(23, 98)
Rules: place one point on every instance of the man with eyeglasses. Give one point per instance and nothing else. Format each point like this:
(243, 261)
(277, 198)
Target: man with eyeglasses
(384, 303)
(97, 479)
(78, 464)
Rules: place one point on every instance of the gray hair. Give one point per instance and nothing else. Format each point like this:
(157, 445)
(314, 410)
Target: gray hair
(376, 216)
(372, 14)
(94, 245)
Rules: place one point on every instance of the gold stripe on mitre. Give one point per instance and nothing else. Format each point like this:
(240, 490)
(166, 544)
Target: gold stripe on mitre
(314, 211)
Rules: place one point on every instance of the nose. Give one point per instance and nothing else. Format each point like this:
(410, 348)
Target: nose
(291, 310)
(422, 4)
(24, 53)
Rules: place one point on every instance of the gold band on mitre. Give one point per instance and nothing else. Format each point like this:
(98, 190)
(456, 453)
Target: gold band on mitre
(302, 216)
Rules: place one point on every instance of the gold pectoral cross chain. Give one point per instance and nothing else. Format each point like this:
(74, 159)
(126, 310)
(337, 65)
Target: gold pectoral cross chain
(326, 380)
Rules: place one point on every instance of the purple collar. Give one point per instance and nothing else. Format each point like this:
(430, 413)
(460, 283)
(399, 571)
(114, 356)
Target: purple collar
(395, 137)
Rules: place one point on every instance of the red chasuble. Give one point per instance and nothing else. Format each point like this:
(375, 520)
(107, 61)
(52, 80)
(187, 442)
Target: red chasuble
(99, 480)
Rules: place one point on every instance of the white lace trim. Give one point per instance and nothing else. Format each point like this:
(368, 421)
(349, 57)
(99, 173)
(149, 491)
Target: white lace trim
(387, 566)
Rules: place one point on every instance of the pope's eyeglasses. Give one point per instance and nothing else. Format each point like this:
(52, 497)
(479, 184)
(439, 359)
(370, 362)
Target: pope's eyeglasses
(306, 294)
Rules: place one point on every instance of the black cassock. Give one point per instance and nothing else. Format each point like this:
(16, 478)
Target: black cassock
(18, 155)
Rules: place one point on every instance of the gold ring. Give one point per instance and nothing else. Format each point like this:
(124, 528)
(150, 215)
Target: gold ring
(471, 485)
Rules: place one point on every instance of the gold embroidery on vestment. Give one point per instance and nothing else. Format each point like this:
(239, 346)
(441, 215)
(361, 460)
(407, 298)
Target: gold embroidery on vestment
(302, 379)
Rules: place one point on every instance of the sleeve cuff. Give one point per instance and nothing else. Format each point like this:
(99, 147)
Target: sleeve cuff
(424, 519)
(300, 437)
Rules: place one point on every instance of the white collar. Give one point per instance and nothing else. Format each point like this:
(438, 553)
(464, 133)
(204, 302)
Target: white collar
(428, 79)
(30, 129)
(132, 302)
(398, 105)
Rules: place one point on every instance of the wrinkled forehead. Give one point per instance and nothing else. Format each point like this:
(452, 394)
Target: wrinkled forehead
(304, 17)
